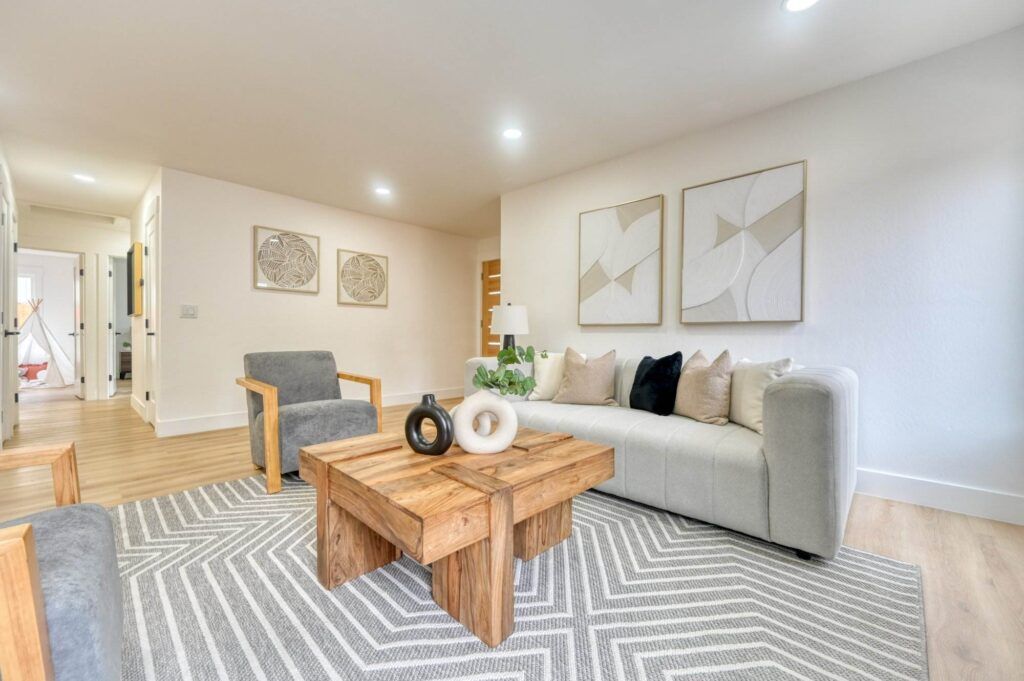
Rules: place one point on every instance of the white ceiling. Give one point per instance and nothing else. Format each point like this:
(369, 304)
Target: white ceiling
(322, 99)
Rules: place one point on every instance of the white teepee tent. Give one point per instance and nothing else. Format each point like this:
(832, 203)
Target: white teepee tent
(38, 345)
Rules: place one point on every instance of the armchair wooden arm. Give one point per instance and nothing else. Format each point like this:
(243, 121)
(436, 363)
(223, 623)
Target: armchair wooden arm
(24, 637)
(271, 437)
(376, 397)
(63, 466)
(271, 420)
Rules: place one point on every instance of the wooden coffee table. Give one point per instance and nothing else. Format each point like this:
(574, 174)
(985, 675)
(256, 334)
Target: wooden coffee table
(465, 515)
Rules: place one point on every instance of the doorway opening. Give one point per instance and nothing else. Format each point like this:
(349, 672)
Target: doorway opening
(50, 325)
(119, 329)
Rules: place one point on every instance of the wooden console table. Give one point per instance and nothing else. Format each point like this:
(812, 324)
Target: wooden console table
(465, 515)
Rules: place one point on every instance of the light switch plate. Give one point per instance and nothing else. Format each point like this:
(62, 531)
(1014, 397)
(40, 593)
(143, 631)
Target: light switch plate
(189, 311)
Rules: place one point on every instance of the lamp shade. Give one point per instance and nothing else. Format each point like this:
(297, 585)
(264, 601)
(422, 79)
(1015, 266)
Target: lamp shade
(510, 320)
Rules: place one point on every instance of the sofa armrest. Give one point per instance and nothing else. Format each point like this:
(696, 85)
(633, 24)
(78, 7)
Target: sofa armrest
(488, 363)
(810, 446)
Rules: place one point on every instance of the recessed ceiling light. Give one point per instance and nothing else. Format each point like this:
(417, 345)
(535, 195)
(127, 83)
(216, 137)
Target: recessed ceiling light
(82, 177)
(512, 134)
(798, 5)
(382, 191)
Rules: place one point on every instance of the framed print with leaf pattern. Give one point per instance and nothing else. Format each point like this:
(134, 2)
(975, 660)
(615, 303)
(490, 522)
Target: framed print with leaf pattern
(362, 279)
(283, 260)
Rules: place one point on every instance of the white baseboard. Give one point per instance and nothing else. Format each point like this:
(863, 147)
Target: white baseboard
(201, 424)
(414, 398)
(947, 496)
(139, 407)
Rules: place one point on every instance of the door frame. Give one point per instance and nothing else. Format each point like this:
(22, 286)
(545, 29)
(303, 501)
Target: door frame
(150, 310)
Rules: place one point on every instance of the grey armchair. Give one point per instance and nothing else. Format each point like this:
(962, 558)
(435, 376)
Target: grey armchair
(60, 591)
(294, 401)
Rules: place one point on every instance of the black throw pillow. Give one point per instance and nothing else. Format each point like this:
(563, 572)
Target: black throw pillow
(654, 387)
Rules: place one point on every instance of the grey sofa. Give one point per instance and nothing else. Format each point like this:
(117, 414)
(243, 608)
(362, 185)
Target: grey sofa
(792, 486)
(294, 400)
(66, 559)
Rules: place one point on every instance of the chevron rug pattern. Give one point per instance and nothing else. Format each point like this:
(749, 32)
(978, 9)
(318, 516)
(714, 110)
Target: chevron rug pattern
(220, 583)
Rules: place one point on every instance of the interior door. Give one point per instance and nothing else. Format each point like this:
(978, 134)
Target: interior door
(490, 295)
(9, 381)
(79, 331)
(149, 289)
(112, 364)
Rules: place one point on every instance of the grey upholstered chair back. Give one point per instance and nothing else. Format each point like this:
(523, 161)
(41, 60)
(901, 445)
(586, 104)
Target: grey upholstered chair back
(300, 376)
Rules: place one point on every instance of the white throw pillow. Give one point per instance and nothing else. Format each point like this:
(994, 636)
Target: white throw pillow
(749, 380)
(548, 372)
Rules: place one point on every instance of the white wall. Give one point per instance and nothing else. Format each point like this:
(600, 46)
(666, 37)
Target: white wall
(914, 263)
(55, 277)
(97, 237)
(418, 344)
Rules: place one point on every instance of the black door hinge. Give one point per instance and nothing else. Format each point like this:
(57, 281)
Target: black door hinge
(110, 377)
(142, 282)
(81, 272)
(81, 326)
(147, 396)
(83, 379)
(110, 273)
(145, 250)
(15, 246)
(147, 322)
(109, 326)
(16, 400)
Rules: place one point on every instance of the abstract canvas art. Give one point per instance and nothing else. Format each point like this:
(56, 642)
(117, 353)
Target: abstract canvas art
(743, 248)
(362, 279)
(620, 264)
(285, 261)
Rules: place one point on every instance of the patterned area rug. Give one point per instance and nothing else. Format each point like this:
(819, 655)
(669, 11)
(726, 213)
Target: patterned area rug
(220, 583)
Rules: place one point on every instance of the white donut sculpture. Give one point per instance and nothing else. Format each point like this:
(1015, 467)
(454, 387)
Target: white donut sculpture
(483, 407)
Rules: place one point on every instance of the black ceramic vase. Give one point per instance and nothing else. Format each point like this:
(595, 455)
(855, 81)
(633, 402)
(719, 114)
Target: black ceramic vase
(429, 409)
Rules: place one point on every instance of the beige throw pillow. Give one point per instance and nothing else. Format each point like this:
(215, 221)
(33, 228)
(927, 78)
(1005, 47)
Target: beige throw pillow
(587, 381)
(548, 370)
(749, 381)
(703, 392)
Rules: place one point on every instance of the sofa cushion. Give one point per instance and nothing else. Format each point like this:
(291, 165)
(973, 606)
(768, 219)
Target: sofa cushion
(749, 381)
(311, 423)
(703, 391)
(654, 387)
(587, 381)
(81, 590)
(548, 370)
(715, 473)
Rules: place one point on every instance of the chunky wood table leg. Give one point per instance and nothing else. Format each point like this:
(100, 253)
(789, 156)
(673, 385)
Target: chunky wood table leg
(540, 532)
(345, 547)
(474, 584)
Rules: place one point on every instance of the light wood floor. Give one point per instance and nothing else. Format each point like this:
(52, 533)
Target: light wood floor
(973, 568)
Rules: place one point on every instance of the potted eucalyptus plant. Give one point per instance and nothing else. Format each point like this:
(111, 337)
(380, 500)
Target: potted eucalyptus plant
(504, 379)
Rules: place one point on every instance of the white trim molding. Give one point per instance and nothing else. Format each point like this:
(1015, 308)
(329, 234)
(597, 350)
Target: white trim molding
(947, 496)
(239, 419)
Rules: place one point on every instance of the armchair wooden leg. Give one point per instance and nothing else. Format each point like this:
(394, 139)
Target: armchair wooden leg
(271, 446)
(65, 478)
(377, 400)
(24, 638)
